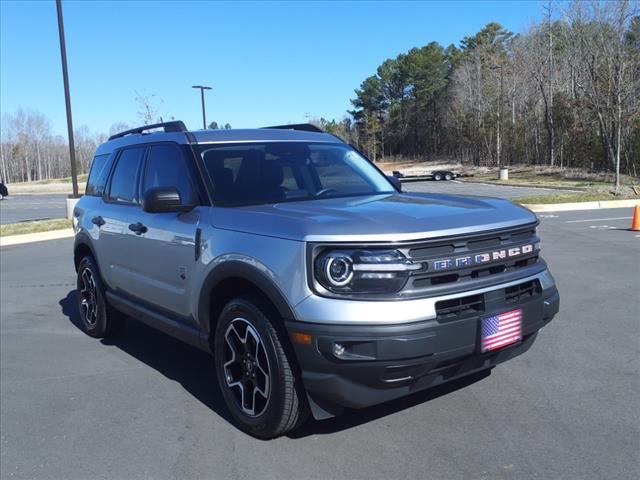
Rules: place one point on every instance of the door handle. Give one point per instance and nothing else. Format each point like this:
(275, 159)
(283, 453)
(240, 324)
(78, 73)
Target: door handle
(138, 228)
(99, 221)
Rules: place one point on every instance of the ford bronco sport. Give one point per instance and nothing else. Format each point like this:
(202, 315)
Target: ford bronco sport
(313, 280)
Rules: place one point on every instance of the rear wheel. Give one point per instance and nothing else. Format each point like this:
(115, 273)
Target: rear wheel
(437, 177)
(259, 386)
(99, 319)
(448, 176)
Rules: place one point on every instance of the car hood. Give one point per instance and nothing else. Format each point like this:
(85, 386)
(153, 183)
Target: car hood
(387, 217)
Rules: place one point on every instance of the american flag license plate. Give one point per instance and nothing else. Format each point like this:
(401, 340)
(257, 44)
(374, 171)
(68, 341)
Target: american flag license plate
(501, 330)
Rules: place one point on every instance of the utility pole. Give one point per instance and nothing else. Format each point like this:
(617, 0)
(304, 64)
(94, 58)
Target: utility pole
(204, 116)
(498, 141)
(67, 100)
(550, 105)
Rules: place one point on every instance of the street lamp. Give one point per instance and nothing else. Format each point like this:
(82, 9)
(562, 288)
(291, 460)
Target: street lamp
(67, 100)
(204, 116)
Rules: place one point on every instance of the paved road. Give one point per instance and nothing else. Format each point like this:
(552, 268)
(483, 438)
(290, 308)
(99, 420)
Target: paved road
(19, 208)
(146, 406)
(457, 187)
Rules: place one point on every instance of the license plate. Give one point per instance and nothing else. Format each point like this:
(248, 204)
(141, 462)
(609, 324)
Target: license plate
(501, 330)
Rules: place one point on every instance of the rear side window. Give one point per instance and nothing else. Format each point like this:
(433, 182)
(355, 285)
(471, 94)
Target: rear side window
(100, 168)
(166, 167)
(124, 181)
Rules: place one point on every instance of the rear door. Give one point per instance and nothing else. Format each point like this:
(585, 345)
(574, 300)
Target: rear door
(163, 257)
(121, 205)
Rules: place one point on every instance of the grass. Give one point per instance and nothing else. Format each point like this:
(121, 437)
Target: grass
(81, 178)
(569, 197)
(554, 177)
(34, 226)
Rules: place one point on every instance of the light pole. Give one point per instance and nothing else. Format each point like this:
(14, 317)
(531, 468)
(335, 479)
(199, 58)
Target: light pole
(67, 100)
(204, 115)
(498, 143)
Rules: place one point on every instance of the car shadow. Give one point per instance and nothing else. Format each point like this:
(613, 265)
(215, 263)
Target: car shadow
(187, 365)
(194, 370)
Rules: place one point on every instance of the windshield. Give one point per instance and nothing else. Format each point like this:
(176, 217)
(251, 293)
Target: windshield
(258, 173)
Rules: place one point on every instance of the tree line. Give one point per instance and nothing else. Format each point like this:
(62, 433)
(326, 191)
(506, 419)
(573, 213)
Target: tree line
(565, 93)
(30, 151)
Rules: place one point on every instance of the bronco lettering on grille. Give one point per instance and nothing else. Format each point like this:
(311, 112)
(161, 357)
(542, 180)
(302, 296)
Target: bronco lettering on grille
(482, 258)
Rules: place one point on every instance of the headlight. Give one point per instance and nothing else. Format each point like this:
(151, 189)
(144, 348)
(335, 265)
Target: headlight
(363, 271)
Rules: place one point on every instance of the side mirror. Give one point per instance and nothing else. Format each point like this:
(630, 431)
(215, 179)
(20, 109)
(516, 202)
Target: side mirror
(396, 182)
(163, 200)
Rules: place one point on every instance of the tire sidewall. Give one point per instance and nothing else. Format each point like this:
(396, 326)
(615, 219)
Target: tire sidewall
(269, 419)
(437, 177)
(100, 327)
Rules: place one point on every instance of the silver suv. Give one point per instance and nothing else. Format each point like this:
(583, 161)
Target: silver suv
(315, 283)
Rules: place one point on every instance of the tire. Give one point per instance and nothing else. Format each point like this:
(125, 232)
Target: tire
(437, 177)
(448, 176)
(250, 354)
(98, 318)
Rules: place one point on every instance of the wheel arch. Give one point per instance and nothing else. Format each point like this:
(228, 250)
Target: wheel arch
(234, 278)
(81, 248)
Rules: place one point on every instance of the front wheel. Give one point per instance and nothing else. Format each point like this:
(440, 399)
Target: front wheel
(259, 386)
(437, 177)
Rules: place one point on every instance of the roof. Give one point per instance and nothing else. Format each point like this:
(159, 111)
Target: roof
(218, 136)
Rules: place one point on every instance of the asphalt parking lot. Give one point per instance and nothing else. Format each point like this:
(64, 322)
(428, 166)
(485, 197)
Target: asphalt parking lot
(459, 187)
(21, 208)
(146, 406)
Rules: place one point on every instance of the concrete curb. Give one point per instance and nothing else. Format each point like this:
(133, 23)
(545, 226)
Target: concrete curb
(36, 237)
(566, 207)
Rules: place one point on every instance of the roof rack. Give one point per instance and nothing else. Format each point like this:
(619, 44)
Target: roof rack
(306, 127)
(175, 126)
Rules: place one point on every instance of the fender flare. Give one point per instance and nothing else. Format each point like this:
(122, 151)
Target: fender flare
(239, 269)
(83, 238)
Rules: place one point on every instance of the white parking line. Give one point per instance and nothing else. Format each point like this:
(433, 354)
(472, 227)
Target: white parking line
(598, 220)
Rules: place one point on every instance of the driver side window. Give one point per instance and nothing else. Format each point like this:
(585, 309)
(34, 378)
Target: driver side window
(166, 167)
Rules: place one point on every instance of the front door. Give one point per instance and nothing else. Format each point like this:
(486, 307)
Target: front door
(164, 255)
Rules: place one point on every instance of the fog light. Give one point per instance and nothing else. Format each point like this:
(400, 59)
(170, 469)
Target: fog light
(338, 350)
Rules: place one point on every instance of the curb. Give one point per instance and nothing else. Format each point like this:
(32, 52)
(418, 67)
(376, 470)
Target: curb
(566, 207)
(35, 237)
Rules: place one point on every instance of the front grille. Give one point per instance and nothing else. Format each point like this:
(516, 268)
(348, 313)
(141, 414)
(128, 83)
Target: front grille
(460, 254)
(472, 305)
(522, 292)
(459, 307)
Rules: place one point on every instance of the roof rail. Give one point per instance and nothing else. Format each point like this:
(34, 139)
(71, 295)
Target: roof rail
(306, 127)
(175, 126)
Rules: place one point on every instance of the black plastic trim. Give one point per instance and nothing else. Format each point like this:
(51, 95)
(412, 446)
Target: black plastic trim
(239, 269)
(164, 323)
(175, 126)
(305, 127)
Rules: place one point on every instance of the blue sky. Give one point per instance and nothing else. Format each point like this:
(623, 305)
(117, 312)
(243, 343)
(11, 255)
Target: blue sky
(268, 63)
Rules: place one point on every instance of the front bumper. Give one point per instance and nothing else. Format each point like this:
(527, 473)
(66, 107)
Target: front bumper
(384, 362)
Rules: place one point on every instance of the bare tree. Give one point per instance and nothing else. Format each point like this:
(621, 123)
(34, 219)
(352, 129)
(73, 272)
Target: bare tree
(148, 107)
